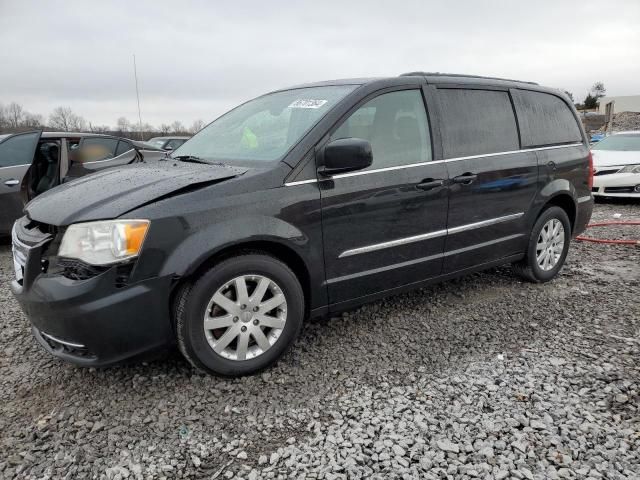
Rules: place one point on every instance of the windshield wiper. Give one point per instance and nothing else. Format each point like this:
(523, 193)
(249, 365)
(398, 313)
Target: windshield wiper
(191, 158)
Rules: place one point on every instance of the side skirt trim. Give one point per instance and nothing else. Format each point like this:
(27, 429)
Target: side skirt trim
(421, 260)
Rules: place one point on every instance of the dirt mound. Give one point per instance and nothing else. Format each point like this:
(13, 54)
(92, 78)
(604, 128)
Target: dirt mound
(625, 121)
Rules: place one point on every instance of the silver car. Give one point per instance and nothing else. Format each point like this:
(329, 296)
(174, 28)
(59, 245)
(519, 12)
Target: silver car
(34, 162)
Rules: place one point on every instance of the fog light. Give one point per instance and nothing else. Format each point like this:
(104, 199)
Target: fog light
(636, 189)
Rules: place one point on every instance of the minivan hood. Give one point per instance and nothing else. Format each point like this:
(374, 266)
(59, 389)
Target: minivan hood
(608, 158)
(113, 192)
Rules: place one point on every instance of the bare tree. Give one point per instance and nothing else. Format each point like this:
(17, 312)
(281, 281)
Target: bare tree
(99, 128)
(598, 90)
(63, 118)
(177, 127)
(165, 129)
(32, 120)
(196, 126)
(15, 114)
(124, 125)
(3, 117)
(570, 95)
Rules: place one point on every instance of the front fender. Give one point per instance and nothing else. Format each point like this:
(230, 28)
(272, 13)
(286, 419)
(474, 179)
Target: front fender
(204, 243)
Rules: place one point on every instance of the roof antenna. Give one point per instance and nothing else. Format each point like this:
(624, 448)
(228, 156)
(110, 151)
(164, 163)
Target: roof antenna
(135, 74)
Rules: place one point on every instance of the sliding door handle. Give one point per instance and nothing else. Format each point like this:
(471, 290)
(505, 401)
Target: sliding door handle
(430, 183)
(466, 178)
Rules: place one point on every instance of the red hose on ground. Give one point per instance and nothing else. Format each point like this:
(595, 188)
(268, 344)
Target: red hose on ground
(615, 242)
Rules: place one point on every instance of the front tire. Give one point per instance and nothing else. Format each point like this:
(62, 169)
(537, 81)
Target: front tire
(240, 316)
(548, 247)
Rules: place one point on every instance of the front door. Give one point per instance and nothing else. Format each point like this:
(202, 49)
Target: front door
(492, 182)
(16, 155)
(383, 227)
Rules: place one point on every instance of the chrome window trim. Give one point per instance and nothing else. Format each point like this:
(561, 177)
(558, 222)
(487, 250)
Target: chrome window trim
(14, 166)
(300, 182)
(107, 159)
(431, 162)
(425, 236)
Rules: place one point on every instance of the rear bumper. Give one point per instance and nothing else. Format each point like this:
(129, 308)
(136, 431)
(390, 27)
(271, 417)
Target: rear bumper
(583, 215)
(93, 322)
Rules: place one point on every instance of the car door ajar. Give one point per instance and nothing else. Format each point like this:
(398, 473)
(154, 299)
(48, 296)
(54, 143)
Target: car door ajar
(16, 155)
(384, 226)
(492, 182)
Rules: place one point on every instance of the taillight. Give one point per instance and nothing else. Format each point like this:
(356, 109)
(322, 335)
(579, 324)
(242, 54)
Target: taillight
(590, 181)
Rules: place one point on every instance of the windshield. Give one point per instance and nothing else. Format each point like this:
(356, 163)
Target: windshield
(265, 128)
(619, 143)
(157, 141)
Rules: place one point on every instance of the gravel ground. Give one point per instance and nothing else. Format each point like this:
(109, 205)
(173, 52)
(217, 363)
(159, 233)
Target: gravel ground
(482, 377)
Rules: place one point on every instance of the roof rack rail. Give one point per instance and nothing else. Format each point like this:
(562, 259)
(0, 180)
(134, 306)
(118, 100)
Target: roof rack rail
(439, 74)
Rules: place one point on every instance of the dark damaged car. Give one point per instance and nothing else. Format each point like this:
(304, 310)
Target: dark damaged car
(303, 202)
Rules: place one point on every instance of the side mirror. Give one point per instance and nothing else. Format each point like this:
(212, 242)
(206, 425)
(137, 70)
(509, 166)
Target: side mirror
(345, 155)
(168, 148)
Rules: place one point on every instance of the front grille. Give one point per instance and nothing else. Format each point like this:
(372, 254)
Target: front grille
(74, 269)
(42, 227)
(78, 270)
(69, 348)
(619, 190)
(606, 172)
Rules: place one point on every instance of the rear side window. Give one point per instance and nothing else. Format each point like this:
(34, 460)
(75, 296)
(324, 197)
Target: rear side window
(544, 119)
(97, 148)
(175, 143)
(476, 122)
(123, 147)
(395, 124)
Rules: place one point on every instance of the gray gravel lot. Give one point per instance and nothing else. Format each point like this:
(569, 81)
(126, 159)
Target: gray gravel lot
(481, 377)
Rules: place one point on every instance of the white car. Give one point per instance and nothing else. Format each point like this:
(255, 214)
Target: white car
(616, 165)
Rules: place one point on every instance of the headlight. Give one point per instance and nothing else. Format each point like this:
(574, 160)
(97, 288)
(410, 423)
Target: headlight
(630, 169)
(104, 243)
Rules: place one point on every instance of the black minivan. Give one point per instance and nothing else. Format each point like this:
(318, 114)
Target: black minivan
(300, 203)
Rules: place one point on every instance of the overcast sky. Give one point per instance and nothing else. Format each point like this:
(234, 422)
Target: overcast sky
(196, 59)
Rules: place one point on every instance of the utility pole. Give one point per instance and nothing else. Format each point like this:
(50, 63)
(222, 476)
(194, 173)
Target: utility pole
(135, 74)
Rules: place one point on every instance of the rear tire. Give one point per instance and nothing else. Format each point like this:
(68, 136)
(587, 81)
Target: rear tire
(547, 248)
(240, 316)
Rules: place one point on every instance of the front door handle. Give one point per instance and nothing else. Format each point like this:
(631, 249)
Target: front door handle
(12, 182)
(466, 178)
(430, 183)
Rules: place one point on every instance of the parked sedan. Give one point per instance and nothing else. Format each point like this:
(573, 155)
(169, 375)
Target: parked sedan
(167, 143)
(34, 162)
(616, 162)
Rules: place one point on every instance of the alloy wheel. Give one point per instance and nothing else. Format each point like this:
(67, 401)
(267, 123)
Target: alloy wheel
(550, 244)
(245, 317)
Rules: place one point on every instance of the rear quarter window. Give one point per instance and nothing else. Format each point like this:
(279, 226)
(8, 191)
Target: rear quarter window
(476, 122)
(544, 119)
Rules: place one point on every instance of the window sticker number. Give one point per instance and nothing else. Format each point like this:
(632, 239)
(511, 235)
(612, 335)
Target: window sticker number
(307, 103)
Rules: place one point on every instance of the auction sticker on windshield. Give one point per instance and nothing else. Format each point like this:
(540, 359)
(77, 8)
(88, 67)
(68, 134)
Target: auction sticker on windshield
(307, 103)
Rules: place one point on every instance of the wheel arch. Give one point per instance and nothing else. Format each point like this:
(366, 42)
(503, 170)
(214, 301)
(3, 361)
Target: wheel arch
(567, 203)
(267, 246)
(560, 193)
